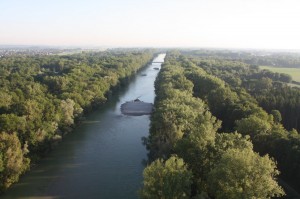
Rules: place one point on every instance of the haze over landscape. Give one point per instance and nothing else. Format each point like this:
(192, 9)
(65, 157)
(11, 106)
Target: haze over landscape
(148, 99)
(152, 23)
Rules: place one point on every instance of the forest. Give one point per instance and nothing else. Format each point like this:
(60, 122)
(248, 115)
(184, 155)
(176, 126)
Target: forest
(222, 128)
(254, 57)
(43, 97)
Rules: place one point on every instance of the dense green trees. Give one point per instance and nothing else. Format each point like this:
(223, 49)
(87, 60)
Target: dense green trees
(183, 124)
(42, 97)
(254, 57)
(268, 88)
(253, 176)
(239, 109)
(12, 160)
(167, 180)
(282, 98)
(276, 116)
(198, 99)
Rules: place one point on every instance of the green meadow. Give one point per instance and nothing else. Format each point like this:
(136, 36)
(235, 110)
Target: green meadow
(294, 72)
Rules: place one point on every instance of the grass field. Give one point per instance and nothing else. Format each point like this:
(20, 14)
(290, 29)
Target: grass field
(294, 72)
(294, 85)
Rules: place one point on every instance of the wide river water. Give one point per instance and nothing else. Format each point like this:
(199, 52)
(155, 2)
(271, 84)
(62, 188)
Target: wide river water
(102, 158)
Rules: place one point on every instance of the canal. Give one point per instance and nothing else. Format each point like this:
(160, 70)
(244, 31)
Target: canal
(103, 157)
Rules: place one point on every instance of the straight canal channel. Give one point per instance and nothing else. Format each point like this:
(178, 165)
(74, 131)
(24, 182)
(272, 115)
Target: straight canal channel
(102, 158)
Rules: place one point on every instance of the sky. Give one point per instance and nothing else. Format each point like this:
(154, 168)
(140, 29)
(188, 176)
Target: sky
(263, 24)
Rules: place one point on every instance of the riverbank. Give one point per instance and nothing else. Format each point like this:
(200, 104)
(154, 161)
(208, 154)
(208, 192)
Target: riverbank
(102, 158)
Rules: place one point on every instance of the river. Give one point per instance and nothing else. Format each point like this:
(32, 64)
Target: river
(102, 158)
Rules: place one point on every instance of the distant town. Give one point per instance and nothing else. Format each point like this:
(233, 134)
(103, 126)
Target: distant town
(6, 51)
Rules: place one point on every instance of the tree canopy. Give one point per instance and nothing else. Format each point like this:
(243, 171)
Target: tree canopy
(43, 97)
(192, 110)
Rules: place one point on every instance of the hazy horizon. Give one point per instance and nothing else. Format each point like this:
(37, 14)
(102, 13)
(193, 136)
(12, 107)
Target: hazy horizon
(235, 24)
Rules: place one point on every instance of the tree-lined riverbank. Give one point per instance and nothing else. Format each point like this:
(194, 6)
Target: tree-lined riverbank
(81, 78)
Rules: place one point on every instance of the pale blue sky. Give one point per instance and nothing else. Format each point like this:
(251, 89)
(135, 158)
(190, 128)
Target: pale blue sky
(152, 23)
